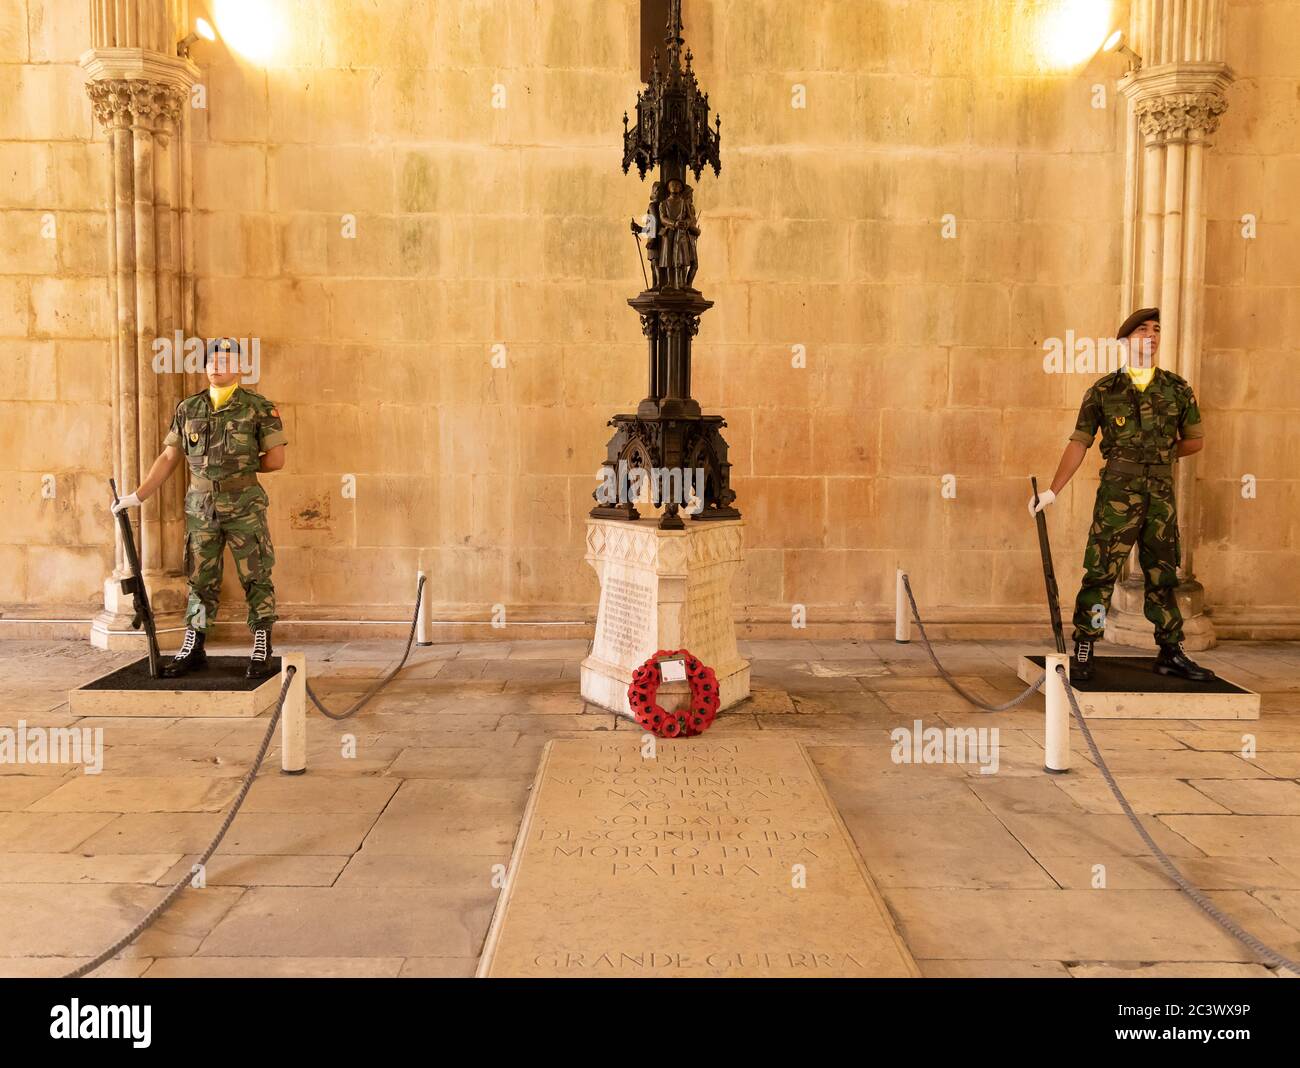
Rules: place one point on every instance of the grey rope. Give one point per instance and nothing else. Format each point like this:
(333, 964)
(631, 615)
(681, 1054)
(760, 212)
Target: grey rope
(185, 879)
(370, 693)
(943, 673)
(1204, 903)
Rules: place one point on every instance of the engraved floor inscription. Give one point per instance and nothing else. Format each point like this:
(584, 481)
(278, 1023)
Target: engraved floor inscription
(721, 856)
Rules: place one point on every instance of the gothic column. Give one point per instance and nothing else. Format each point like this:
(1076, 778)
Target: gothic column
(1175, 97)
(139, 89)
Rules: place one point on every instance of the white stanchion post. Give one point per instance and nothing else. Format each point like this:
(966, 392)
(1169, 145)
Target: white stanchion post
(902, 613)
(1056, 740)
(422, 627)
(293, 717)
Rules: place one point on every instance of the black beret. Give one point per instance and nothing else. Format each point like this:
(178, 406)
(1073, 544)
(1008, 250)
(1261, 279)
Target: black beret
(1137, 319)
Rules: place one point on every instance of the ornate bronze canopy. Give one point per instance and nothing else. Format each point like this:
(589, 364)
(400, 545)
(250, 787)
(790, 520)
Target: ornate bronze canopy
(672, 115)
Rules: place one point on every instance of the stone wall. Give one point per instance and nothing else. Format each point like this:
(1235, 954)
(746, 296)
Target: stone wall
(55, 319)
(1250, 554)
(485, 231)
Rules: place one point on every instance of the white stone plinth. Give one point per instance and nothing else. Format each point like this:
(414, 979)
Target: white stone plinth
(168, 592)
(663, 589)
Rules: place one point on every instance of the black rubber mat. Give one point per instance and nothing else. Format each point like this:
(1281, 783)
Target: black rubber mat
(225, 673)
(1133, 674)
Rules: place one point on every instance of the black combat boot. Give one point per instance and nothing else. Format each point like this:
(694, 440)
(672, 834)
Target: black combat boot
(1081, 661)
(1173, 661)
(259, 663)
(191, 656)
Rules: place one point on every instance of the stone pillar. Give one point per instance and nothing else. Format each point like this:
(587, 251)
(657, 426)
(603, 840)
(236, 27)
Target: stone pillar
(139, 89)
(1175, 97)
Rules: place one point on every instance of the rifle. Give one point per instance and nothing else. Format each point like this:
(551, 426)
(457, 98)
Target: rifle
(1049, 575)
(133, 584)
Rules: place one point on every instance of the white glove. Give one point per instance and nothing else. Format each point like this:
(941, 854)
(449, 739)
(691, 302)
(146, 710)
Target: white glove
(129, 501)
(1044, 499)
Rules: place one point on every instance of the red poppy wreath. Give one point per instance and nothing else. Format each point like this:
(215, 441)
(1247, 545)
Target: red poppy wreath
(686, 722)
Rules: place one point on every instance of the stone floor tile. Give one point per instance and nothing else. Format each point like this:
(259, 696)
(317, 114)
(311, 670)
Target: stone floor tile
(460, 872)
(251, 832)
(1266, 836)
(1144, 794)
(120, 793)
(439, 968)
(1117, 872)
(84, 868)
(71, 920)
(993, 969)
(347, 922)
(1043, 832)
(260, 869)
(1183, 970)
(252, 967)
(1253, 797)
(1064, 925)
(19, 791)
(52, 832)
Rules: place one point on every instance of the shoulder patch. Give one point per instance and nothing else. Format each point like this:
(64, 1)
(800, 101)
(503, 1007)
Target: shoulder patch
(256, 399)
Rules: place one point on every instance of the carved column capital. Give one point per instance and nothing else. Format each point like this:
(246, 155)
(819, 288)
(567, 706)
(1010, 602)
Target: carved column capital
(111, 101)
(121, 102)
(1178, 101)
(1180, 116)
(676, 322)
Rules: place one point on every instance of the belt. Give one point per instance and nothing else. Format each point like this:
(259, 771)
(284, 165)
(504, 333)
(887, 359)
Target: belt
(1133, 467)
(222, 485)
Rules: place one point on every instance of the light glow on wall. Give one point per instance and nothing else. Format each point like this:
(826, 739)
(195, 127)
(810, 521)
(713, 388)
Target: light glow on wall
(1072, 31)
(253, 28)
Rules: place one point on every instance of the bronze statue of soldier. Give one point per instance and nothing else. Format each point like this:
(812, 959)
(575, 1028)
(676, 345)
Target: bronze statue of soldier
(679, 227)
(649, 229)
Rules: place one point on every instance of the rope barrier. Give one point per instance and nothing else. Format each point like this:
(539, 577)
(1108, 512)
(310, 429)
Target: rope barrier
(943, 673)
(245, 786)
(369, 694)
(1204, 903)
(206, 855)
(1170, 869)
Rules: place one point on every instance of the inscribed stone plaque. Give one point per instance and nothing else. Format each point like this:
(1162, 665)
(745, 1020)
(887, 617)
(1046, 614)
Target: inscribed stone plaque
(723, 856)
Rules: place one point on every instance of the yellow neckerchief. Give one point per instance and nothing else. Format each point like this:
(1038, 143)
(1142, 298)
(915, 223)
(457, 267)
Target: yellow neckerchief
(1141, 376)
(219, 395)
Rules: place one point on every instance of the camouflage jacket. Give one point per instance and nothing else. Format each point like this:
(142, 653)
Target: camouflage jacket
(228, 442)
(1142, 426)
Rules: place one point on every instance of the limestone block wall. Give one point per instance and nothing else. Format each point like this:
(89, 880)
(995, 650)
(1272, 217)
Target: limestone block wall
(1250, 547)
(480, 227)
(55, 319)
(392, 237)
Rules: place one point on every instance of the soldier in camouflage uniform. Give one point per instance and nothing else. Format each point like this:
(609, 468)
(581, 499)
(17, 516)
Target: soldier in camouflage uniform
(1148, 417)
(227, 434)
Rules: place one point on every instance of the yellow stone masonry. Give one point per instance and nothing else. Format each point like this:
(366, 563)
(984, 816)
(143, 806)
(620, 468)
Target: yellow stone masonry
(483, 232)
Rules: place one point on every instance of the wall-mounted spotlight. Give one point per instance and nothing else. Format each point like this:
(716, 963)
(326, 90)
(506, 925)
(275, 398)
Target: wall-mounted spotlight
(1116, 43)
(202, 28)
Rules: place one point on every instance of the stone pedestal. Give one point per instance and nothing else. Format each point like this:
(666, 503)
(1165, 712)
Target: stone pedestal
(218, 691)
(1127, 625)
(168, 592)
(663, 589)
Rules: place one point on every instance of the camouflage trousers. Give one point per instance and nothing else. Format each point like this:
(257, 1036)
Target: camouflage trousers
(238, 520)
(1129, 509)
